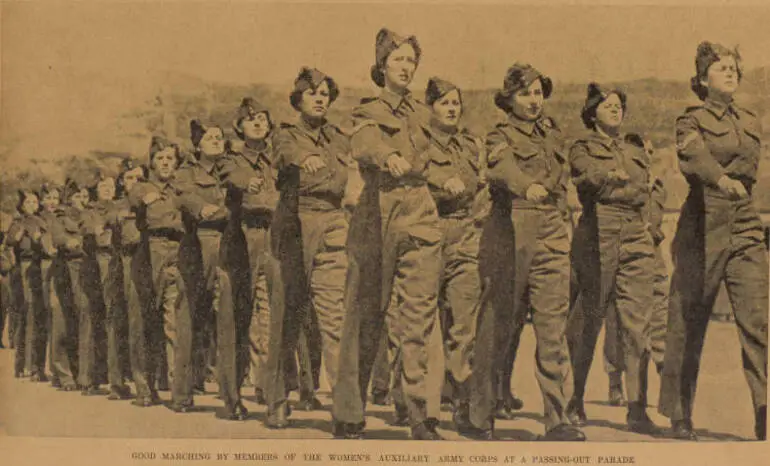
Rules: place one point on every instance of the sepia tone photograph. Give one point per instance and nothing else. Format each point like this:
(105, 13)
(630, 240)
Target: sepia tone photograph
(514, 232)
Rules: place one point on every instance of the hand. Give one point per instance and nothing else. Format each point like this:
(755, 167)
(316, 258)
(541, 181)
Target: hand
(618, 176)
(98, 230)
(17, 236)
(454, 186)
(72, 244)
(36, 234)
(208, 210)
(731, 187)
(255, 185)
(124, 214)
(151, 197)
(312, 164)
(537, 193)
(397, 165)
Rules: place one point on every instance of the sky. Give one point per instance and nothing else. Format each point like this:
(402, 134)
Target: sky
(82, 60)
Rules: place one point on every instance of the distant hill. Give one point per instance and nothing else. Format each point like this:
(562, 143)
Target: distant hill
(105, 130)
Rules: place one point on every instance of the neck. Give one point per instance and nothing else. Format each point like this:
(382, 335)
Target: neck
(313, 122)
(720, 97)
(396, 89)
(448, 129)
(607, 131)
(256, 144)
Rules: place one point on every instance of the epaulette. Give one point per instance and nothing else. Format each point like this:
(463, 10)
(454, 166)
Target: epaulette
(349, 132)
(286, 125)
(745, 110)
(694, 108)
(368, 100)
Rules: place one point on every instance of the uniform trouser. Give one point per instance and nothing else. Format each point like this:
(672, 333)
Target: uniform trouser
(393, 247)
(5, 306)
(504, 388)
(259, 327)
(232, 315)
(92, 350)
(613, 257)
(381, 370)
(319, 283)
(532, 246)
(459, 299)
(145, 332)
(174, 273)
(658, 320)
(716, 240)
(50, 300)
(31, 315)
(112, 272)
(65, 315)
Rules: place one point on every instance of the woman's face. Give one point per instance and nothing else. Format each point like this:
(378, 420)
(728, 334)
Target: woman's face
(400, 67)
(131, 177)
(51, 200)
(31, 204)
(527, 103)
(315, 102)
(722, 76)
(80, 199)
(609, 113)
(256, 127)
(448, 108)
(212, 143)
(105, 190)
(164, 163)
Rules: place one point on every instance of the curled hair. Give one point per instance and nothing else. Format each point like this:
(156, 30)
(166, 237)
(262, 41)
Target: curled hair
(295, 98)
(23, 195)
(588, 114)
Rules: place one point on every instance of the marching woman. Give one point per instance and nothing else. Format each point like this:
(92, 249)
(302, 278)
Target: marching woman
(126, 339)
(166, 309)
(612, 251)
(455, 178)
(526, 237)
(7, 264)
(307, 261)
(51, 267)
(393, 247)
(207, 219)
(31, 240)
(718, 239)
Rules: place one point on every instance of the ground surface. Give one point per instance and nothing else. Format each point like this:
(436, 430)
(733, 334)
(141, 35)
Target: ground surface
(723, 410)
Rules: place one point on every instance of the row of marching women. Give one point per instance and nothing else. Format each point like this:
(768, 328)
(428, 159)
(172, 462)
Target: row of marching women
(307, 245)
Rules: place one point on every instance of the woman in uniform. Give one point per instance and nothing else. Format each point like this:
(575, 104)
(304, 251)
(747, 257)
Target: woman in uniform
(718, 239)
(307, 261)
(612, 251)
(393, 248)
(526, 237)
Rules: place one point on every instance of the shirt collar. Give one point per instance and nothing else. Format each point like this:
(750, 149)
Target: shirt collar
(153, 178)
(207, 165)
(524, 126)
(395, 101)
(315, 134)
(253, 155)
(444, 138)
(605, 140)
(719, 109)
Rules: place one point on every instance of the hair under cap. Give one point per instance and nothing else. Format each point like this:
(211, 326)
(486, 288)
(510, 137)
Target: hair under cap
(520, 76)
(595, 95)
(438, 88)
(385, 43)
(311, 78)
(160, 143)
(707, 54)
(249, 108)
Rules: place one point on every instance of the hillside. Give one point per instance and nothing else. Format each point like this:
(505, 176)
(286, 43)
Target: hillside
(100, 129)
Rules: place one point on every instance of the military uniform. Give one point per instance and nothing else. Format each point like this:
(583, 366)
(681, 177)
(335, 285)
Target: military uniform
(458, 156)
(307, 247)
(529, 241)
(167, 309)
(613, 257)
(32, 323)
(67, 285)
(92, 339)
(393, 247)
(7, 263)
(214, 292)
(718, 238)
(127, 345)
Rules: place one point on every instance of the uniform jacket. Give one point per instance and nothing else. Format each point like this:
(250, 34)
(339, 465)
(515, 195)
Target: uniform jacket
(237, 168)
(200, 185)
(655, 209)
(714, 139)
(163, 214)
(25, 247)
(66, 232)
(387, 124)
(594, 155)
(449, 156)
(7, 256)
(122, 221)
(524, 153)
(295, 143)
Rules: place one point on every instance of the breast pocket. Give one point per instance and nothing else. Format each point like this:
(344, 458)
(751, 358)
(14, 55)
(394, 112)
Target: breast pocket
(530, 160)
(717, 135)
